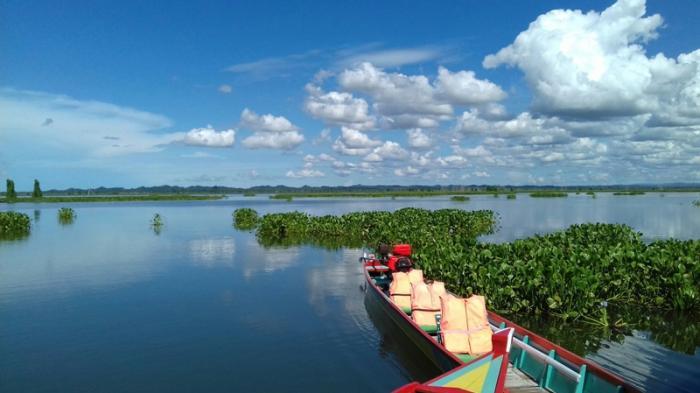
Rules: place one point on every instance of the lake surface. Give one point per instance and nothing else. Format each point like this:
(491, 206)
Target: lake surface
(107, 305)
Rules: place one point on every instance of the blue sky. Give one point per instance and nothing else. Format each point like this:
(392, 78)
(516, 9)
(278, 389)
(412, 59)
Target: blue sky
(140, 93)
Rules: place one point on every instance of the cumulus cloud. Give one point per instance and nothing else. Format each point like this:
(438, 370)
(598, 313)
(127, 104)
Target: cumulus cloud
(418, 139)
(338, 108)
(270, 132)
(594, 64)
(464, 88)
(278, 141)
(209, 137)
(387, 151)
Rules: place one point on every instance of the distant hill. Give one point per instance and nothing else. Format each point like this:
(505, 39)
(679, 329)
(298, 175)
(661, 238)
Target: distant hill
(166, 189)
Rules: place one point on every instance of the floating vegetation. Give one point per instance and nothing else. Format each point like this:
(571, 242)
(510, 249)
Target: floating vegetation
(511, 196)
(495, 195)
(591, 193)
(14, 225)
(249, 194)
(419, 227)
(157, 223)
(696, 203)
(66, 215)
(627, 193)
(459, 198)
(548, 194)
(567, 273)
(245, 219)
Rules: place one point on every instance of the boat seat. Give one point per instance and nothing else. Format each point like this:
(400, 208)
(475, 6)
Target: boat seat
(400, 288)
(425, 304)
(464, 327)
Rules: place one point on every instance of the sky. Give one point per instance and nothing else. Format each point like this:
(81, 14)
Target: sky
(131, 93)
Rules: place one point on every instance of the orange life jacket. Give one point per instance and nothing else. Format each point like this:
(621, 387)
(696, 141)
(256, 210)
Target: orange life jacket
(465, 326)
(400, 287)
(425, 303)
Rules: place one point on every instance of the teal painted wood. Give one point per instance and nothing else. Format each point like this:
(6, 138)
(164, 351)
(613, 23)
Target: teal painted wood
(522, 354)
(582, 381)
(548, 370)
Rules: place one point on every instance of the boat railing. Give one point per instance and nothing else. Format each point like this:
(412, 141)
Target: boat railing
(544, 367)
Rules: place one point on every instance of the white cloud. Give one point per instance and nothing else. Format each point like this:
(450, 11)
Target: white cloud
(464, 88)
(277, 140)
(270, 132)
(266, 123)
(393, 57)
(92, 127)
(305, 173)
(357, 139)
(225, 89)
(338, 108)
(406, 101)
(418, 139)
(594, 64)
(387, 151)
(209, 137)
(408, 171)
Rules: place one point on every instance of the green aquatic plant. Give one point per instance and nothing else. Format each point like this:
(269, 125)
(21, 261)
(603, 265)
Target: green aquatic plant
(245, 219)
(566, 273)
(66, 215)
(157, 223)
(696, 203)
(248, 194)
(511, 196)
(628, 193)
(14, 225)
(548, 194)
(459, 198)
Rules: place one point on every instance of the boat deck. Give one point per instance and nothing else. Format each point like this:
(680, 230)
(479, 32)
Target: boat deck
(517, 382)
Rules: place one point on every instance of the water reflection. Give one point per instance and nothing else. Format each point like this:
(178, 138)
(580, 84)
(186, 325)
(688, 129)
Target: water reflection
(210, 252)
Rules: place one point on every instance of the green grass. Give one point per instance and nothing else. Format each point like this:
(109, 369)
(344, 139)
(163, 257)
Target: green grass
(459, 198)
(549, 194)
(622, 193)
(113, 198)
(14, 225)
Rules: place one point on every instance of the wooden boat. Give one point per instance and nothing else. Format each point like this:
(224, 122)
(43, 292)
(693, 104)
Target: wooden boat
(535, 363)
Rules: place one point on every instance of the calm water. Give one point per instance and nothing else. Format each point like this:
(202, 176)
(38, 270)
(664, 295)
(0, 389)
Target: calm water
(107, 305)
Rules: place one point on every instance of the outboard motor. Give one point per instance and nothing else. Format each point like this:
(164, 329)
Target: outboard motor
(400, 261)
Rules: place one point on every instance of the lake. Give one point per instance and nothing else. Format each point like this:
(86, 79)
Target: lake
(105, 304)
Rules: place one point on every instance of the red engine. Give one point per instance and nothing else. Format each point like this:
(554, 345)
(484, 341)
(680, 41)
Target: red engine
(402, 250)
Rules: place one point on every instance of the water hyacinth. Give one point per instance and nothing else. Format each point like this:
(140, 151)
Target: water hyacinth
(566, 273)
(245, 219)
(548, 194)
(14, 224)
(66, 215)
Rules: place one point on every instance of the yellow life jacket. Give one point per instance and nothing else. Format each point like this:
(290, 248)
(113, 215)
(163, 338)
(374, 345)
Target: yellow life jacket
(465, 326)
(400, 288)
(425, 304)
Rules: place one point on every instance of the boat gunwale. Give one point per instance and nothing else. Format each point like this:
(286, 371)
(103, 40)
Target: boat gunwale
(542, 342)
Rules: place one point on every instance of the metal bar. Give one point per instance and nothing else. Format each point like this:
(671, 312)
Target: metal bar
(569, 373)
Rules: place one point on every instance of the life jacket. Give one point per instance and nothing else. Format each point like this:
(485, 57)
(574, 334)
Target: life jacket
(400, 287)
(464, 327)
(425, 304)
